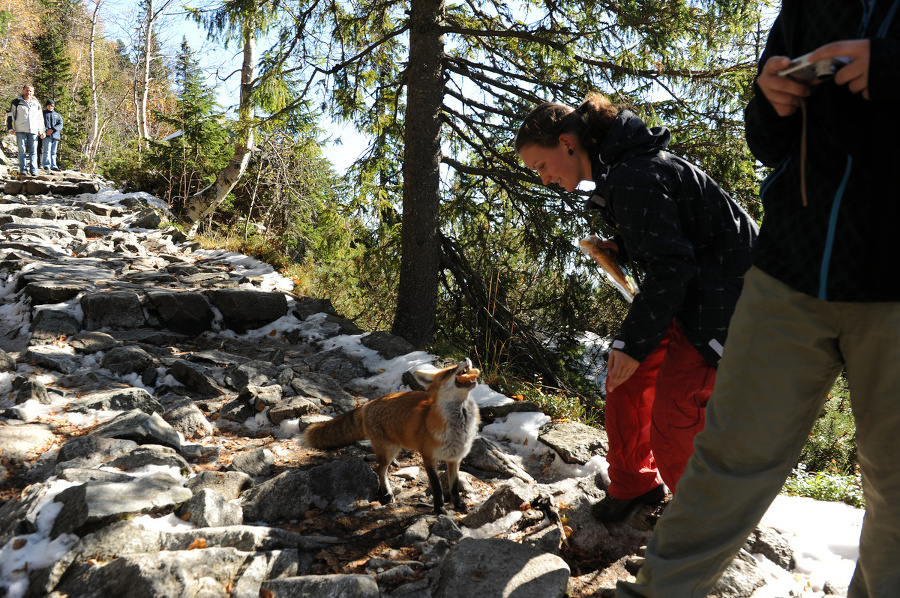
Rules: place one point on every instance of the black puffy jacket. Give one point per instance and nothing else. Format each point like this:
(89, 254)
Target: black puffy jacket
(843, 245)
(52, 120)
(690, 238)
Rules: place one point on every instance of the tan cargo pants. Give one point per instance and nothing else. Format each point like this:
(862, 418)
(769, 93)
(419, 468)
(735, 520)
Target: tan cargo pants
(784, 352)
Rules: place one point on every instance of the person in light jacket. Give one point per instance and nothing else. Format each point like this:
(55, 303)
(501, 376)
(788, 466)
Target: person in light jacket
(53, 124)
(26, 120)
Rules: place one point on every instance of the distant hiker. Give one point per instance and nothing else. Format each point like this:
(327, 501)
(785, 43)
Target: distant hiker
(26, 120)
(693, 243)
(53, 124)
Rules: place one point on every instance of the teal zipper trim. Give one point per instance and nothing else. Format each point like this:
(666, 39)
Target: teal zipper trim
(832, 227)
(773, 175)
(882, 32)
(868, 7)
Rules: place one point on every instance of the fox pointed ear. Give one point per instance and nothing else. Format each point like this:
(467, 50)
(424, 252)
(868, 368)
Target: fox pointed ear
(424, 378)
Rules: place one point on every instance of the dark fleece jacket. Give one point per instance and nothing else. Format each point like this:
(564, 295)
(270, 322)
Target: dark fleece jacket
(843, 245)
(690, 238)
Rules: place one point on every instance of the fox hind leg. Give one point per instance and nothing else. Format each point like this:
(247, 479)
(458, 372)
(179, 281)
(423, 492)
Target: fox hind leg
(453, 482)
(385, 454)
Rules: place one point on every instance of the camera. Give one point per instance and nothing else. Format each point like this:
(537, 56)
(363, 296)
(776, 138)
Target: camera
(801, 69)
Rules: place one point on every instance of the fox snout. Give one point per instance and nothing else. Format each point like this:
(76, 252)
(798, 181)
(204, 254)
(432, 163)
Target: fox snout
(466, 375)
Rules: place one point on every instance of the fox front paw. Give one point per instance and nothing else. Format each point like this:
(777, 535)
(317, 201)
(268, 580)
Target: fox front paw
(384, 497)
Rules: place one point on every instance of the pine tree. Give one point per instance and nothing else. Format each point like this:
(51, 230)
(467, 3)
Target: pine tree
(269, 94)
(687, 65)
(192, 156)
(50, 44)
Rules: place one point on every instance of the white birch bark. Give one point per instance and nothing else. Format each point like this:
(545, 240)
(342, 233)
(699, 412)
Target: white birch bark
(94, 140)
(205, 201)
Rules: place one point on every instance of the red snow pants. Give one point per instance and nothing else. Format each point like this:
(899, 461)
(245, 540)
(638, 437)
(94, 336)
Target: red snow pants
(652, 418)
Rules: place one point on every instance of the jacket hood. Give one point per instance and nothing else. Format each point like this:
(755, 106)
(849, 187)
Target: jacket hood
(629, 137)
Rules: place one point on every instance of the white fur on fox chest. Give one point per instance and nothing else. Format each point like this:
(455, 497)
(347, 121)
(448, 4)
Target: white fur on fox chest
(459, 434)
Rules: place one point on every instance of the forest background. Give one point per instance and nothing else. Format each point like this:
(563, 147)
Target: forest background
(436, 231)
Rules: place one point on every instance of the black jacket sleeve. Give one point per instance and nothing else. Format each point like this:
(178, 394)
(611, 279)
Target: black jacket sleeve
(651, 229)
(770, 136)
(884, 70)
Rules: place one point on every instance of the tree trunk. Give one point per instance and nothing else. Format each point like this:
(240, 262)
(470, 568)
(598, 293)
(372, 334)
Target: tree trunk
(205, 201)
(143, 130)
(94, 139)
(420, 245)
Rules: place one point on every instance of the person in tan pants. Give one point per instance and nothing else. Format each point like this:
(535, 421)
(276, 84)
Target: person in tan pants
(823, 295)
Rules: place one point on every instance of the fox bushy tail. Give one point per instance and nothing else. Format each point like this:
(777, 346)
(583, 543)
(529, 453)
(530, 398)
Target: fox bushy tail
(340, 431)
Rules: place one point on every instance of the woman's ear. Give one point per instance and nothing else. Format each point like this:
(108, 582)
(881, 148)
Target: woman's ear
(569, 142)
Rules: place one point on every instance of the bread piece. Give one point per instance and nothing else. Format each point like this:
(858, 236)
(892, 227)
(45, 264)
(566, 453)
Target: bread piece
(608, 262)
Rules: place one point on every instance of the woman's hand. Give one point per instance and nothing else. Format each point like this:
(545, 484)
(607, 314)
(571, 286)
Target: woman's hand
(856, 74)
(783, 93)
(619, 368)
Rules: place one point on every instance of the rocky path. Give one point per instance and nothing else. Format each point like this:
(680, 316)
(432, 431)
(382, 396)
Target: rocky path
(151, 395)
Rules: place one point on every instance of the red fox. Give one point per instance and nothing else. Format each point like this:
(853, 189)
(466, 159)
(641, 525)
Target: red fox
(440, 423)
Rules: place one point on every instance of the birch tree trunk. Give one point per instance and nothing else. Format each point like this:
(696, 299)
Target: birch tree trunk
(204, 202)
(94, 139)
(145, 73)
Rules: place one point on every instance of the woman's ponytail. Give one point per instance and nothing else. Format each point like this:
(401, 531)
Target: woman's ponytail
(590, 123)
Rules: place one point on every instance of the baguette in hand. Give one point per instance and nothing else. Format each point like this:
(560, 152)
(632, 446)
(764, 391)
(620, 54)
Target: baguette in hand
(610, 265)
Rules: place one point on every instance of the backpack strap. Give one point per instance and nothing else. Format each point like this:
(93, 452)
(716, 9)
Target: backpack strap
(13, 113)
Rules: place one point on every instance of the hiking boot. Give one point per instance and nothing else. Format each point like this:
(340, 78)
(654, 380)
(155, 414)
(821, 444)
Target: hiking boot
(615, 509)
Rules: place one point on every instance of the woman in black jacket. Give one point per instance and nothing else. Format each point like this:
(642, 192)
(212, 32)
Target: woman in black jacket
(692, 242)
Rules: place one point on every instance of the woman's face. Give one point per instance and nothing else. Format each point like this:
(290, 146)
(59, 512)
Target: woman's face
(556, 164)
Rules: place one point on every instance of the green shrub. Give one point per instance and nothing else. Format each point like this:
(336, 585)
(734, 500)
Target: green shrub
(826, 485)
(832, 444)
(558, 405)
(828, 468)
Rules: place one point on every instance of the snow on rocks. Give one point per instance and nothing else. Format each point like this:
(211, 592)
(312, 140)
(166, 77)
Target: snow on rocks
(151, 394)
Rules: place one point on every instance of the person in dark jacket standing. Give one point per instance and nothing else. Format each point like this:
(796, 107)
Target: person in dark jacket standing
(53, 123)
(823, 295)
(693, 243)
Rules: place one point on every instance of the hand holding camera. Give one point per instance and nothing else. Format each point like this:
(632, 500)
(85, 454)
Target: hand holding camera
(785, 92)
(855, 75)
(804, 69)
